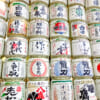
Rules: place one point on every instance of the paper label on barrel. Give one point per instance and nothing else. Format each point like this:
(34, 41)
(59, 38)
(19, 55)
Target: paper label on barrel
(61, 67)
(38, 67)
(13, 93)
(95, 46)
(61, 90)
(77, 12)
(76, 1)
(16, 47)
(3, 9)
(38, 91)
(58, 10)
(39, 10)
(3, 27)
(82, 46)
(78, 29)
(92, 3)
(60, 47)
(94, 31)
(39, 27)
(64, 1)
(84, 91)
(93, 16)
(39, 46)
(82, 67)
(18, 9)
(59, 28)
(14, 69)
(96, 66)
(17, 27)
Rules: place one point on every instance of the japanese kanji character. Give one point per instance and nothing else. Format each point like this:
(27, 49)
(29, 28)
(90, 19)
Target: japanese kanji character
(43, 10)
(38, 67)
(40, 45)
(79, 11)
(97, 16)
(82, 29)
(64, 70)
(39, 28)
(84, 94)
(14, 71)
(60, 12)
(86, 68)
(37, 13)
(96, 2)
(62, 48)
(15, 47)
(18, 10)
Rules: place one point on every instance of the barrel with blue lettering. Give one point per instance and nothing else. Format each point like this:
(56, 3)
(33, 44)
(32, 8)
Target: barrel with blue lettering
(61, 68)
(58, 11)
(79, 29)
(82, 68)
(39, 10)
(77, 12)
(39, 28)
(39, 47)
(19, 9)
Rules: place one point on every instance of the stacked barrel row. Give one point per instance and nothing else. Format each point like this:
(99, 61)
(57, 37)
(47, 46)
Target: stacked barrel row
(26, 33)
(93, 20)
(79, 64)
(16, 50)
(61, 75)
(27, 49)
(3, 27)
(39, 50)
(81, 52)
(3, 30)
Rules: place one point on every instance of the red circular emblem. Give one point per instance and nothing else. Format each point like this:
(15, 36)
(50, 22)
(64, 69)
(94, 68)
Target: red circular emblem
(32, 65)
